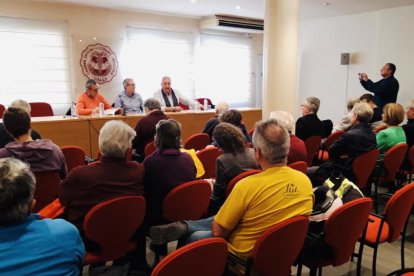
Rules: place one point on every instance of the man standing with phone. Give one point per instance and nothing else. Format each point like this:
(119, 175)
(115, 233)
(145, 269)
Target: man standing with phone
(386, 90)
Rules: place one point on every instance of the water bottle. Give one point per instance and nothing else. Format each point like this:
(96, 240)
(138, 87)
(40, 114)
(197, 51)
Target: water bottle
(101, 109)
(196, 106)
(205, 105)
(73, 110)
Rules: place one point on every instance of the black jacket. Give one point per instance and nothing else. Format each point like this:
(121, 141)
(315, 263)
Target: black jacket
(385, 91)
(357, 140)
(409, 132)
(307, 126)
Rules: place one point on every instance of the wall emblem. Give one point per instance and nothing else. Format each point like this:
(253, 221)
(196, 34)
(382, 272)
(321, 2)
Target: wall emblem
(99, 62)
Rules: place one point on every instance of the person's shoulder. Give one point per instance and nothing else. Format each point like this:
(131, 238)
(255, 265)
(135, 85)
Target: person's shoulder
(81, 96)
(135, 165)
(57, 228)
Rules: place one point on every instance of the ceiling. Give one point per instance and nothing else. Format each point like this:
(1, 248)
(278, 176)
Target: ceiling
(310, 9)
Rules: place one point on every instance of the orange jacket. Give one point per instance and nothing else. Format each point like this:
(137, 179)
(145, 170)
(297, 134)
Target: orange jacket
(86, 104)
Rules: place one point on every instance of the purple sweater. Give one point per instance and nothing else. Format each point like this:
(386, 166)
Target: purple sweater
(41, 155)
(164, 171)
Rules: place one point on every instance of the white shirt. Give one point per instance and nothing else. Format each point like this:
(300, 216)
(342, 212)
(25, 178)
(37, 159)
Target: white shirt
(178, 95)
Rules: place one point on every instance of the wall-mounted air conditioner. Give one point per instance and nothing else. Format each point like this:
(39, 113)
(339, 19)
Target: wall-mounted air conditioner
(232, 23)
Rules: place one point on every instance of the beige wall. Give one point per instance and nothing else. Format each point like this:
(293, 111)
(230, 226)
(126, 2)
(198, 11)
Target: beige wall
(108, 26)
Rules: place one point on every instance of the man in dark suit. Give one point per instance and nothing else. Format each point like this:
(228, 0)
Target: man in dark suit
(386, 90)
(309, 124)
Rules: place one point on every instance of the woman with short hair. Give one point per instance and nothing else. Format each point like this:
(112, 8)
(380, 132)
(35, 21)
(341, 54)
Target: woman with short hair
(393, 116)
(237, 158)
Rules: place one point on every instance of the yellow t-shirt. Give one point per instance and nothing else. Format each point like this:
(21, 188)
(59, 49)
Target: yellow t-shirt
(197, 162)
(259, 202)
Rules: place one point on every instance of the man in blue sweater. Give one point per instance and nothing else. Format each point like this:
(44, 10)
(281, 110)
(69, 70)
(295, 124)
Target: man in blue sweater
(386, 90)
(30, 245)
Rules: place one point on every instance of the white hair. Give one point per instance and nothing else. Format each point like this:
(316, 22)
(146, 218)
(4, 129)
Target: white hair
(22, 104)
(410, 104)
(284, 119)
(165, 78)
(115, 138)
(364, 111)
(221, 107)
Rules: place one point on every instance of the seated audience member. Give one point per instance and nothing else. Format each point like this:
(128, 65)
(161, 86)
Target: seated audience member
(357, 140)
(393, 116)
(409, 126)
(309, 124)
(376, 120)
(221, 107)
(42, 155)
(345, 122)
(110, 177)
(297, 150)
(90, 99)
(235, 118)
(256, 202)
(165, 169)
(170, 99)
(237, 158)
(130, 101)
(145, 128)
(5, 138)
(30, 245)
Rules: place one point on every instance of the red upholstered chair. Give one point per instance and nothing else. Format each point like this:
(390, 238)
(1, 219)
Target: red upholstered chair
(75, 156)
(323, 154)
(201, 101)
(208, 158)
(277, 248)
(149, 148)
(197, 141)
(312, 146)
(341, 232)
(206, 257)
(47, 188)
(183, 106)
(2, 109)
(111, 225)
(189, 201)
(40, 109)
(251, 131)
(236, 179)
(299, 166)
(408, 171)
(382, 127)
(391, 224)
(402, 272)
(388, 169)
(362, 167)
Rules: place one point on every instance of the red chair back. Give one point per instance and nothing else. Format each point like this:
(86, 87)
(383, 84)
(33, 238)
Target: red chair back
(411, 159)
(201, 101)
(382, 127)
(74, 156)
(299, 166)
(183, 106)
(188, 201)
(392, 161)
(398, 209)
(205, 257)
(278, 247)
(312, 146)
(112, 223)
(344, 227)
(363, 165)
(47, 188)
(149, 148)
(197, 141)
(40, 109)
(237, 178)
(208, 158)
(2, 109)
(251, 131)
(332, 138)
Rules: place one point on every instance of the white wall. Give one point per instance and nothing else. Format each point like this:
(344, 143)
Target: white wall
(108, 26)
(372, 38)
